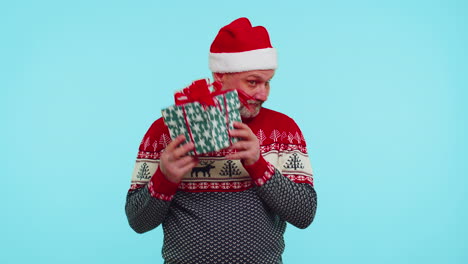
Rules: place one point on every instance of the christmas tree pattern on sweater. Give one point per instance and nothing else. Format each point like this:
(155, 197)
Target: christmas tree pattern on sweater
(281, 143)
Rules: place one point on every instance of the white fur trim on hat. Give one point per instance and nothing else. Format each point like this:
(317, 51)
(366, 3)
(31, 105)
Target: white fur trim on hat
(260, 59)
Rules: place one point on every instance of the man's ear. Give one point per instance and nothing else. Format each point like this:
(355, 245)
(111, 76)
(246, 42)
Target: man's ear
(218, 77)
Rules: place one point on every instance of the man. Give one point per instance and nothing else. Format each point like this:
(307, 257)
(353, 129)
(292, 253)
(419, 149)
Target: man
(229, 206)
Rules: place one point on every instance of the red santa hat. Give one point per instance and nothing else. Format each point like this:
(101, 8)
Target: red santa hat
(240, 47)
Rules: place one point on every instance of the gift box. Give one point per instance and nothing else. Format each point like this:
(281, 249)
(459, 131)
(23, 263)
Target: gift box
(204, 114)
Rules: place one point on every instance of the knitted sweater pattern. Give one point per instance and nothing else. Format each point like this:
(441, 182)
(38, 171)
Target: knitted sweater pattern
(224, 212)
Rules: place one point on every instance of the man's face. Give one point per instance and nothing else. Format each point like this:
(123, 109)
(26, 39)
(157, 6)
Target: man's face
(254, 83)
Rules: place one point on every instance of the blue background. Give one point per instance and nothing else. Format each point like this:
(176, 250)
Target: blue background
(377, 87)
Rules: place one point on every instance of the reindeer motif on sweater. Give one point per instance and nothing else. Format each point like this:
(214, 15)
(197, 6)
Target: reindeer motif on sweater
(208, 165)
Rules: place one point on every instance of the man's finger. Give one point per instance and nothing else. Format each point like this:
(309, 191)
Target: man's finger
(239, 125)
(184, 165)
(242, 133)
(175, 143)
(240, 145)
(182, 162)
(189, 166)
(236, 156)
(183, 150)
(239, 133)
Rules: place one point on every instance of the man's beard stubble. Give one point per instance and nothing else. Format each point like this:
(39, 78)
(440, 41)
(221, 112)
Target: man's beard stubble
(251, 110)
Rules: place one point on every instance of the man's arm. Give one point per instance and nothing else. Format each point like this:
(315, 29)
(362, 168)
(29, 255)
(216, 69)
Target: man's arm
(148, 202)
(147, 206)
(294, 202)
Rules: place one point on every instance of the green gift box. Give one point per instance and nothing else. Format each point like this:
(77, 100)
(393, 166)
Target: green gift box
(203, 116)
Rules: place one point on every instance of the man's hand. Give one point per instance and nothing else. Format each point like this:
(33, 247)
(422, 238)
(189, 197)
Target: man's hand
(174, 161)
(248, 147)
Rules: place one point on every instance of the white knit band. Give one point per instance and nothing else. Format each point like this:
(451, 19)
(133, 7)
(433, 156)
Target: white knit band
(260, 59)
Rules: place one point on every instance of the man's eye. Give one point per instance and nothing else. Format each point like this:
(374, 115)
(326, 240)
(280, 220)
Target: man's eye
(252, 82)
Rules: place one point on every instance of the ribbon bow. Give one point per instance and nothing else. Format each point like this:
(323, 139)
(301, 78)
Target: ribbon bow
(198, 91)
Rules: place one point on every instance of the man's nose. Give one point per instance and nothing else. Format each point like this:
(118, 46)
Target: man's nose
(261, 93)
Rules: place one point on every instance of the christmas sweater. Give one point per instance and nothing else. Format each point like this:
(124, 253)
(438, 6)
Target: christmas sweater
(222, 211)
